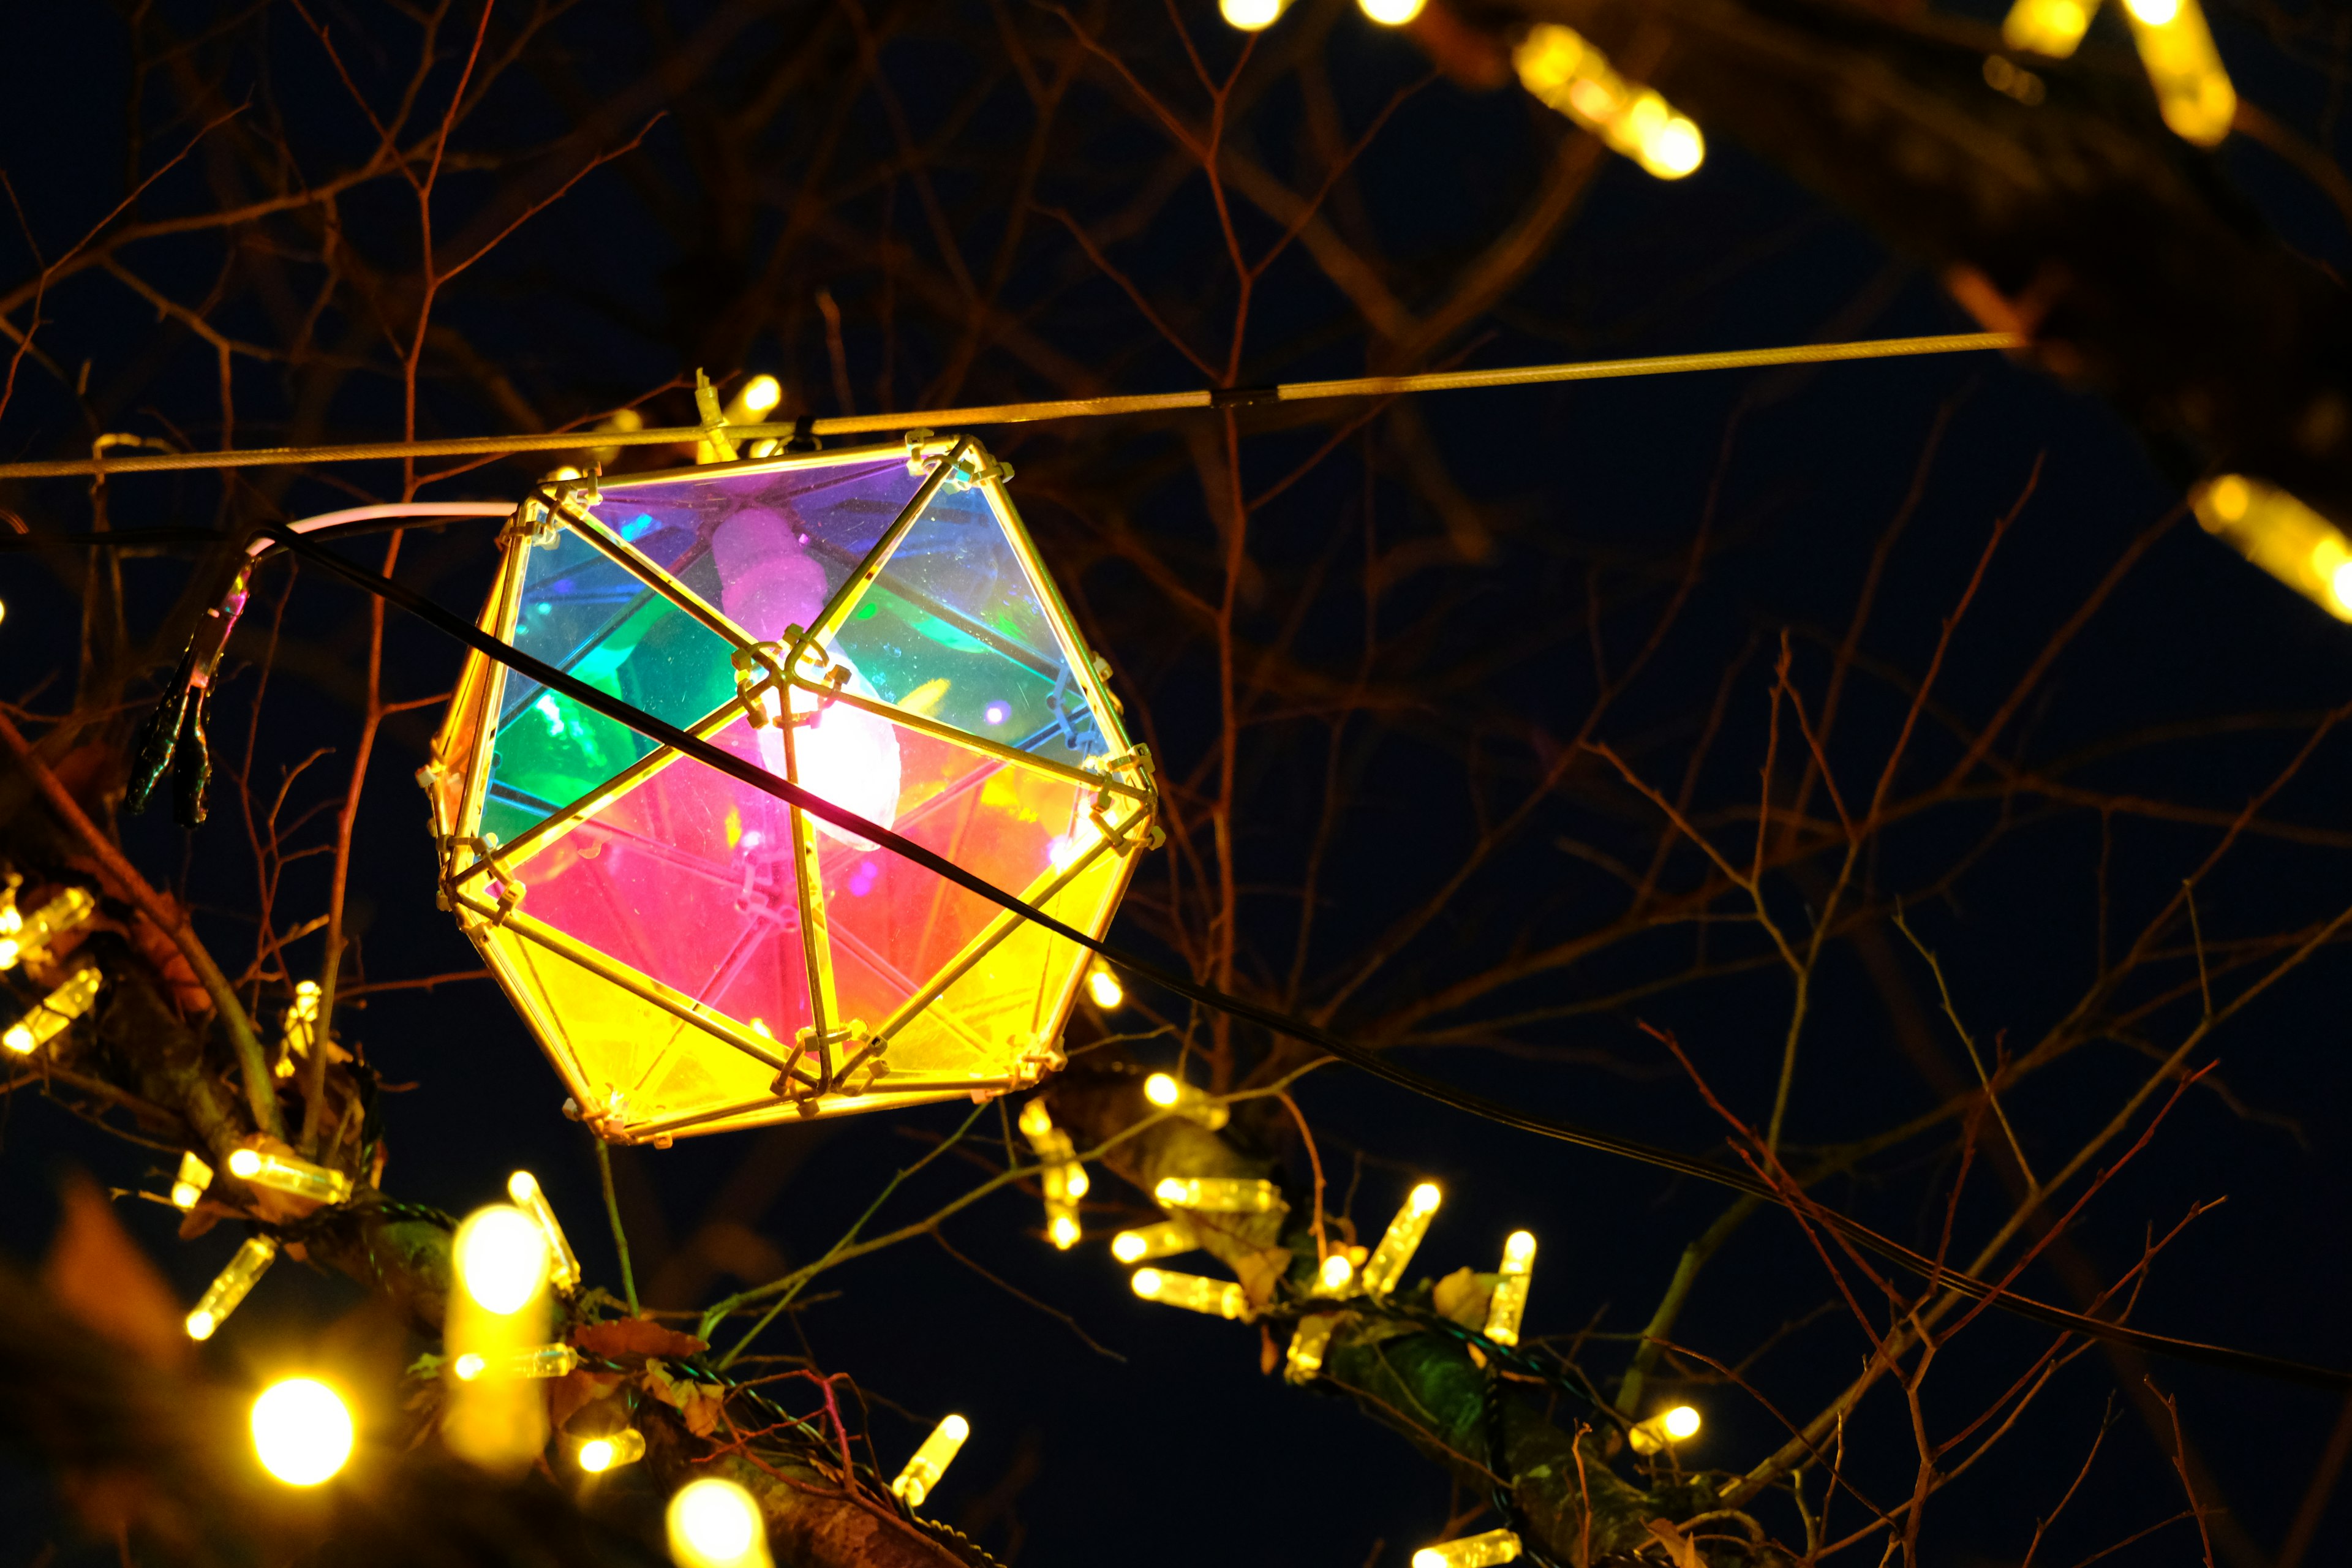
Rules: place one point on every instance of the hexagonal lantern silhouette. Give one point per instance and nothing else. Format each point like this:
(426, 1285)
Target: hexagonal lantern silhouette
(694, 954)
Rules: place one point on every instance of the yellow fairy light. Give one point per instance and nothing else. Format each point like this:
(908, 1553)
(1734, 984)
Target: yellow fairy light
(1103, 986)
(54, 1013)
(1194, 1293)
(1165, 1239)
(1664, 1430)
(542, 1361)
(496, 1333)
(1219, 1195)
(303, 1431)
(1251, 15)
(1169, 1092)
(52, 920)
(290, 1173)
(1559, 69)
(301, 1026)
(932, 1460)
(755, 400)
(1392, 13)
(2051, 27)
(1064, 1179)
(626, 1447)
(2280, 535)
(231, 1286)
(1471, 1551)
(715, 1523)
(1386, 1264)
(564, 1264)
(189, 1185)
(2191, 89)
(1313, 1335)
(1508, 1304)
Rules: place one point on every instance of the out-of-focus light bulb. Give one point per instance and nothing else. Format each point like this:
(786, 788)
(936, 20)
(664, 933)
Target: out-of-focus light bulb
(1673, 149)
(1194, 1293)
(501, 1258)
(1398, 1243)
(1165, 1239)
(839, 753)
(626, 1447)
(563, 1266)
(1392, 13)
(1559, 68)
(55, 1013)
(539, 1361)
(1335, 1276)
(2051, 27)
(1251, 15)
(1064, 1231)
(2280, 535)
(758, 397)
(303, 1431)
(190, 1183)
(469, 1367)
(2175, 48)
(53, 919)
(1104, 988)
(231, 1286)
(1169, 1092)
(1664, 1430)
(1219, 1195)
(1495, 1546)
(289, 1175)
(1312, 1338)
(1508, 1305)
(715, 1523)
(932, 1460)
(1062, 1178)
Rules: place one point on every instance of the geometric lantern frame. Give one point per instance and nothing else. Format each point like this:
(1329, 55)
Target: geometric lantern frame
(874, 625)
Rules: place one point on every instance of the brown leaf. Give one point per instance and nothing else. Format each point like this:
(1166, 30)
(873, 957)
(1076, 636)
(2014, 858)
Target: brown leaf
(635, 1336)
(569, 1394)
(1681, 1549)
(1260, 1272)
(96, 1272)
(1463, 1296)
(697, 1403)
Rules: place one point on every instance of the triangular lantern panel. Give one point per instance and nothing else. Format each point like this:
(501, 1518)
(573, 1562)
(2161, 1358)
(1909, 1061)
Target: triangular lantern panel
(952, 628)
(687, 879)
(768, 550)
(1015, 996)
(582, 613)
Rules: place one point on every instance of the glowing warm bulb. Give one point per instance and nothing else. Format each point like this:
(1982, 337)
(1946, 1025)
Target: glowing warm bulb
(1251, 15)
(1165, 1239)
(469, 1367)
(1312, 1338)
(55, 1013)
(2280, 535)
(2051, 27)
(759, 396)
(189, 1185)
(1336, 1275)
(1398, 1243)
(1219, 1195)
(1194, 1293)
(287, 1174)
(844, 755)
(1172, 1093)
(539, 1361)
(1064, 1231)
(2175, 48)
(501, 1258)
(1674, 148)
(1392, 13)
(53, 919)
(302, 1431)
(1559, 68)
(715, 1523)
(1663, 1429)
(1484, 1550)
(564, 1264)
(1062, 1177)
(932, 1460)
(626, 1447)
(231, 1286)
(1508, 1304)
(1103, 986)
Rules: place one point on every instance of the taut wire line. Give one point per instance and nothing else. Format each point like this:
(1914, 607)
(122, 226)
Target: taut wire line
(1026, 413)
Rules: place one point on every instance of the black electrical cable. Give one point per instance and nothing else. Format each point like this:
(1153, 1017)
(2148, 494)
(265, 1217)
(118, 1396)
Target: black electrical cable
(1356, 1056)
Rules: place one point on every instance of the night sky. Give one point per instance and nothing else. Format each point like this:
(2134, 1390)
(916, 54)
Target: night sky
(1105, 1428)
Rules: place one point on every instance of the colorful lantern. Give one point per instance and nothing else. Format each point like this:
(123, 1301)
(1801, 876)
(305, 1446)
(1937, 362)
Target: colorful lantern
(873, 624)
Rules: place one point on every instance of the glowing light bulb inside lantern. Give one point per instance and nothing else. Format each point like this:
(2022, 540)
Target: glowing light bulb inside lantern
(714, 1523)
(303, 1431)
(1484, 1550)
(1664, 1430)
(1251, 15)
(932, 1460)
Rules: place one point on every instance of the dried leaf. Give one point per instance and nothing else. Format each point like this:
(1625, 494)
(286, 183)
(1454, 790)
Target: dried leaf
(97, 1273)
(1260, 1272)
(635, 1336)
(1681, 1549)
(1464, 1295)
(568, 1395)
(697, 1403)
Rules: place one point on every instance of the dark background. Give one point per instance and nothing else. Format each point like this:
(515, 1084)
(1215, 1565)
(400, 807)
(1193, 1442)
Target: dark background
(1179, 1451)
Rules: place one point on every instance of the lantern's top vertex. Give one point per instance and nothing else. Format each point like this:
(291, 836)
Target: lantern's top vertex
(873, 625)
